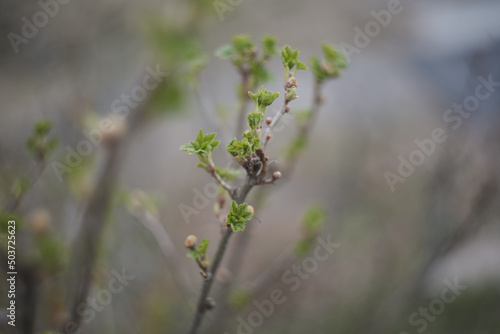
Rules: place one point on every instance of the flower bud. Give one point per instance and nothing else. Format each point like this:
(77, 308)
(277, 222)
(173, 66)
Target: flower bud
(250, 209)
(292, 82)
(190, 241)
(276, 175)
(205, 264)
(268, 137)
(269, 120)
(287, 109)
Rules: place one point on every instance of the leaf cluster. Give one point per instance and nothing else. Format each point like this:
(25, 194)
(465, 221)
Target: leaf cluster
(237, 216)
(199, 253)
(312, 222)
(290, 59)
(39, 144)
(243, 54)
(330, 67)
(263, 99)
(243, 148)
(202, 146)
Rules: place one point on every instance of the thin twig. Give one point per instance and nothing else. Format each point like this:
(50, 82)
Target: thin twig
(211, 169)
(239, 196)
(181, 278)
(274, 122)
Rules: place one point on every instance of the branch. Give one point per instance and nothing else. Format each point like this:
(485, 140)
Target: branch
(239, 196)
(211, 170)
(283, 110)
(181, 278)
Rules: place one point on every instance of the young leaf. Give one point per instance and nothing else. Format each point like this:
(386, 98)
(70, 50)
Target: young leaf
(204, 144)
(237, 216)
(269, 46)
(301, 66)
(225, 51)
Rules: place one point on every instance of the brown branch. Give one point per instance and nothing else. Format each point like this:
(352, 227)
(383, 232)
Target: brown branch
(239, 196)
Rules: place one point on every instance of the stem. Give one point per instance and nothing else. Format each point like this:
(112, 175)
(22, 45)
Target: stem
(243, 240)
(239, 196)
(275, 121)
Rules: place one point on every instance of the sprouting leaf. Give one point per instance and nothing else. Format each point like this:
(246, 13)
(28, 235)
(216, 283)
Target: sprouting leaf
(200, 252)
(313, 219)
(242, 44)
(312, 223)
(245, 147)
(238, 215)
(334, 56)
(226, 51)
(269, 46)
(289, 56)
(228, 174)
(204, 144)
(39, 144)
(263, 98)
(203, 247)
(301, 65)
(254, 120)
(334, 61)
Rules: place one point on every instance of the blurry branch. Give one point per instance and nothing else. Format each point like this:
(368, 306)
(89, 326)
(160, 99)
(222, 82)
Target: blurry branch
(172, 257)
(243, 101)
(41, 146)
(207, 108)
(446, 242)
(96, 212)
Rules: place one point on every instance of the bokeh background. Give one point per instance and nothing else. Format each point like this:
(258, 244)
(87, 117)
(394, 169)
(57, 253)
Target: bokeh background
(396, 247)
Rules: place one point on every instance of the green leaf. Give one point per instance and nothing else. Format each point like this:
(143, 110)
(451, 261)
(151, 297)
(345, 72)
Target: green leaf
(254, 120)
(301, 66)
(39, 144)
(203, 145)
(245, 147)
(225, 51)
(192, 254)
(203, 247)
(237, 216)
(263, 98)
(335, 56)
(242, 44)
(228, 174)
(334, 61)
(43, 127)
(313, 219)
(269, 46)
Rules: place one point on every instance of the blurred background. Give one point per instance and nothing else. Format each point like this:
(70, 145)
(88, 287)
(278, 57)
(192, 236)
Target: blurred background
(417, 244)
